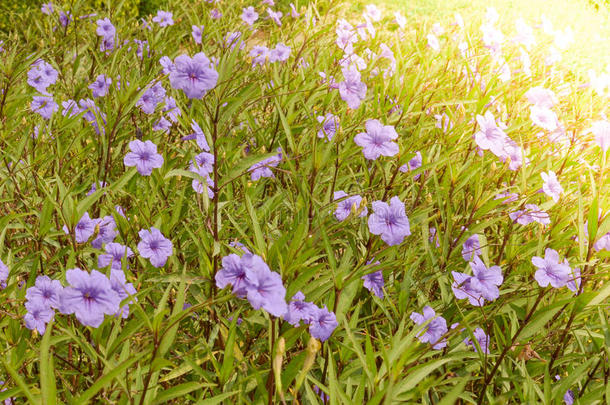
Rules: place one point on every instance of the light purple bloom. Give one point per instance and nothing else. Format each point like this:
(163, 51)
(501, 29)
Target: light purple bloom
(195, 76)
(100, 86)
(490, 136)
(38, 316)
(481, 338)
(483, 285)
(262, 168)
(293, 11)
(154, 246)
(164, 18)
(377, 140)
(45, 291)
(167, 65)
(232, 273)
(264, 287)
(275, 16)
(85, 228)
(414, 163)
(249, 15)
(70, 107)
(3, 274)
(551, 186)
(544, 118)
(45, 106)
(568, 397)
(94, 187)
(471, 248)
(300, 310)
(280, 53)
(41, 75)
(532, 213)
(65, 18)
(352, 90)
(107, 232)
(389, 221)
(259, 55)
(574, 281)
(323, 324)
(541, 97)
(345, 206)
(144, 156)
(115, 252)
(330, 125)
(162, 125)
(47, 8)
(374, 283)
(151, 97)
(215, 14)
(197, 33)
(601, 131)
(551, 270)
(89, 297)
(198, 185)
(434, 330)
(105, 28)
(123, 289)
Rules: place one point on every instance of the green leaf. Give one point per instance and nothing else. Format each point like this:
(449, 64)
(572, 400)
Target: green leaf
(177, 391)
(47, 373)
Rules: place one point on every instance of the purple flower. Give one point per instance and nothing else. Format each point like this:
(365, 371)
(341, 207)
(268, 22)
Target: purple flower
(389, 221)
(100, 86)
(162, 125)
(330, 125)
(374, 283)
(377, 140)
(259, 55)
(262, 168)
(167, 65)
(42, 75)
(203, 163)
(541, 97)
(47, 8)
(94, 187)
(45, 106)
(70, 107)
(89, 297)
(164, 18)
(323, 324)
(232, 273)
(275, 16)
(249, 15)
(550, 270)
(123, 289)
(573, 283)
(414, 163)
(107, 44)
(280, 53)
(115, 252)
(105, 28)
(345, 206)
(551, 186)
(352, 90)
(154, 246)
(300, 310)
(195, 76)
(171, 109)
(507, 196)
(568, 397)
(65, 18)
(45, 291)
(481, 338)
(532, 213)
(471, 248)
(197, 33)
(198, 185)
(91, 113)
(107, 232)
(215, 14)
(3, 274)
(264, 287)
(293, 11)
(85, 228)
(151, 97)
(199, 136)
(490, 136)
(544, 118)
(601, 131)
(144, 156)
(38, 316)
(481, 286)
(435, 329)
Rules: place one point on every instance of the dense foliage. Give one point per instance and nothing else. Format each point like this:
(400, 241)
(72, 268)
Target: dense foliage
(260, 202)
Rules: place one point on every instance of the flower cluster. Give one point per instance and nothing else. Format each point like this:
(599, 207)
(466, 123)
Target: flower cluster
(481, 286)
(250, 277)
